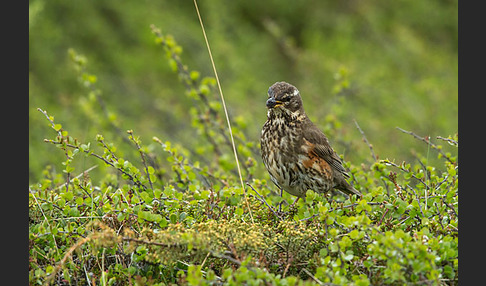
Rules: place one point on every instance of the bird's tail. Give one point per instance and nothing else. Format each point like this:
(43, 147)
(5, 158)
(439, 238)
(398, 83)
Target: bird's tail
(348, 189)
(352, 191)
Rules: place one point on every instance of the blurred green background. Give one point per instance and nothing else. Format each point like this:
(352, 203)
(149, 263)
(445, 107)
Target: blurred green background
(382, 63)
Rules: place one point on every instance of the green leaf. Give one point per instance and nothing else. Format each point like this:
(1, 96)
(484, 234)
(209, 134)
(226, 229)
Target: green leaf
(194, 75)
(173, 218)
(354, 234)
(146, 197)
(151, 170)
(92, 78)
(121, 216)
(68, 169)
(163, 222)
(348, 257)
(334, 247)
(79, 201)
(84, 147)
(68, 196)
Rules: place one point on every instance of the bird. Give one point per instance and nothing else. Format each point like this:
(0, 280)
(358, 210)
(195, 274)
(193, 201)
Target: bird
(295, 152)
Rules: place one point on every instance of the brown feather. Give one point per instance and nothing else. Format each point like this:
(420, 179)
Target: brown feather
(322, 147)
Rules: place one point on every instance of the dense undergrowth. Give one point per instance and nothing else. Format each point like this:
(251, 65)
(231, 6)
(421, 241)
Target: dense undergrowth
(170, 215)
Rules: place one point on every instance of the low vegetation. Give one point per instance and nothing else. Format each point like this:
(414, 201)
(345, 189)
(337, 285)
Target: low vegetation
(163, 214)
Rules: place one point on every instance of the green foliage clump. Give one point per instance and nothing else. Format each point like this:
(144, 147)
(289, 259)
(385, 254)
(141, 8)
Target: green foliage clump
(163, 214)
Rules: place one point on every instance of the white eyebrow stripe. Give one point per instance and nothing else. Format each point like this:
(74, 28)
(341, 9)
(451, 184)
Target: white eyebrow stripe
(296, 91)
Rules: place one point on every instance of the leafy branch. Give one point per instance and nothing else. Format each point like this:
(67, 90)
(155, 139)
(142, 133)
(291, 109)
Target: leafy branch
(206, 116)
(109, 157)
(89, 81)
(427, 140)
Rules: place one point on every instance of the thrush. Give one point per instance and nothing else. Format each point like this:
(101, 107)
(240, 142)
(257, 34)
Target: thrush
(295, 152)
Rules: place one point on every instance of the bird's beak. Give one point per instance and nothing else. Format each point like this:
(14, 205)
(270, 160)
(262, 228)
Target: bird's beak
(272, 103)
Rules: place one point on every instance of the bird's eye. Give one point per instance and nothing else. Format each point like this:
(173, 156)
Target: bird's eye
(286, 98)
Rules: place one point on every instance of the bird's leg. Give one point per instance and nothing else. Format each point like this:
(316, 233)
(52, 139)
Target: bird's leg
(281, 195)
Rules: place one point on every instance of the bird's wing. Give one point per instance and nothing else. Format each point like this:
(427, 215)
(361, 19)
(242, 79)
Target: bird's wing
(323, 149)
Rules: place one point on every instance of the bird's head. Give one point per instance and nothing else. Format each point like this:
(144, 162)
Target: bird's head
(284, 98)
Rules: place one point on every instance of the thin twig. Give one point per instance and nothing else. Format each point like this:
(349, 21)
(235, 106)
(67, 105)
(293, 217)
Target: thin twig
(132, 178)
(289, 263)
(229, 258)
(148, 242)
(143, 158)
(89, 195)
(67, 255)
(426, 140)
(109, 149)
(46, 201)
(438, 214)
(370, 146)
(202, 264)
(52, 122)
(381, 219)
(81, 174)
(181, 164)
(390, 163)
(448, 140)
(366, 140)
(418, 200)
(313, 277)
(97, 93)
(262, 199)
(61, 139)
(344, 207)
(45, 217)
(449, 206)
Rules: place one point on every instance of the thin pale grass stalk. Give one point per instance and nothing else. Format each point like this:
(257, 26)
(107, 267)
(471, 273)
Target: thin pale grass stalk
(67, 255)
(225, 109)
(45, 217)
(79, 176)
(103, 273)
(106, 234)
(429, 144)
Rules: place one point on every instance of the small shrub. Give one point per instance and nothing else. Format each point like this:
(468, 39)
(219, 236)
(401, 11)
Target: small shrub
(177, 216)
